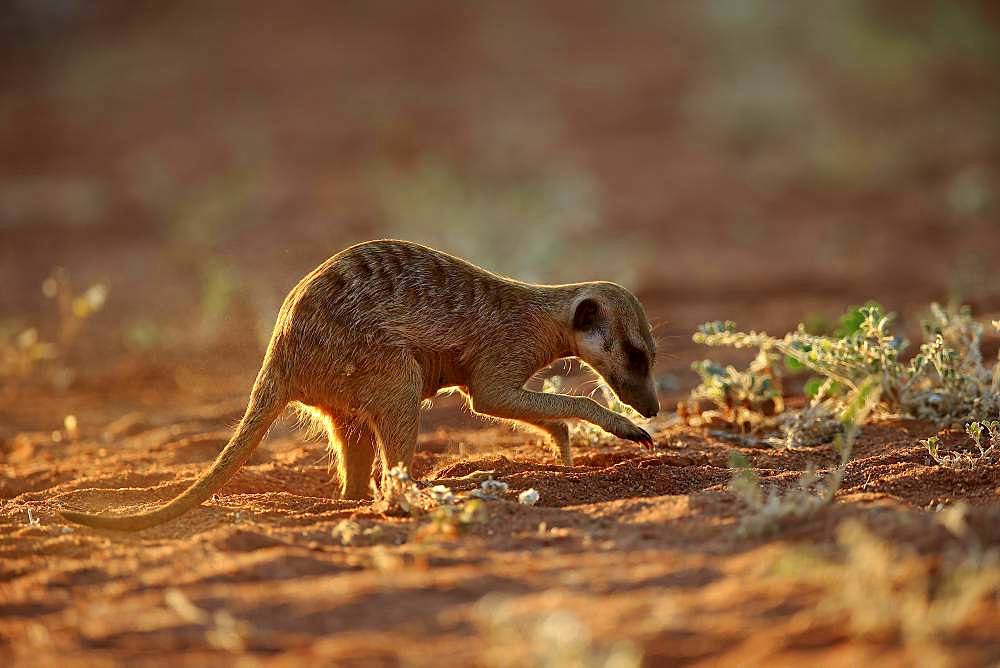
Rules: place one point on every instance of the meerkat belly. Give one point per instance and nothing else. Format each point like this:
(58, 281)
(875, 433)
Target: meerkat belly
(439, 370)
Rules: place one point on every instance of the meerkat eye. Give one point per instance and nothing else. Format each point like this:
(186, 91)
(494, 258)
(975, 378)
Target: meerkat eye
(637, 361)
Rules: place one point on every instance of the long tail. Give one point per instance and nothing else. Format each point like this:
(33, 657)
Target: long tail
(265, 405)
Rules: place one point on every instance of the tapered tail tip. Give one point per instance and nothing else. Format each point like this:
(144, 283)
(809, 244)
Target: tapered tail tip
(122, 523)
(75, 517)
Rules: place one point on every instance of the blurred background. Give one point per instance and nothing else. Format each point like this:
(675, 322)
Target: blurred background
(728, 159)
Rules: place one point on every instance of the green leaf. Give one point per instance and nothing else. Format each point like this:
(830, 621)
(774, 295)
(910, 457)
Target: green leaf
(793, 364)
(851, 321)
(813, 385)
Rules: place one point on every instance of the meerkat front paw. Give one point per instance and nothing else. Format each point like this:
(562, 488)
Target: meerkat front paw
(625, 428)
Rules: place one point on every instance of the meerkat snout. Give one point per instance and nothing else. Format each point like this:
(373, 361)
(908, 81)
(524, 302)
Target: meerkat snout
(611, 334)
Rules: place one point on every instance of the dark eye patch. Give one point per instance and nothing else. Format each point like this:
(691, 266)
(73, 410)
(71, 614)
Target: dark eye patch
(636, 360)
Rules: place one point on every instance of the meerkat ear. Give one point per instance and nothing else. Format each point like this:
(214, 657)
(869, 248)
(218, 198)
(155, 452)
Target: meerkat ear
(586, 314)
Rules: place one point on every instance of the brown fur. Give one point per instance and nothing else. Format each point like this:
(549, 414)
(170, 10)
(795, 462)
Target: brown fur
(380, 327)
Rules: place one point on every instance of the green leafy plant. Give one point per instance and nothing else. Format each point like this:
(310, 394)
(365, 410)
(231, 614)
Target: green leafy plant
(740, 397)
(946, 381)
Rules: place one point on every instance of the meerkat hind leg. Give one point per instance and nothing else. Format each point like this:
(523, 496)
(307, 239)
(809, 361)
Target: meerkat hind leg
(356, 453)
(395, 425)
(558, 431)
(350, 443)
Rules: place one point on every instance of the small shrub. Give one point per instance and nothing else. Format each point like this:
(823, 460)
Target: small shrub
(73, 308)
(399, 495)
(490, 489)
(966, 459)
(448, 513)
(741, 397)
(945, 382)
(812, 425)
(349, 532)
(769, 510)
(451, 519)
(222, 630)
(20, 353)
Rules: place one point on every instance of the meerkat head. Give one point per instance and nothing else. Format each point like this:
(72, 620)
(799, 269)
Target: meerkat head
(611, 334)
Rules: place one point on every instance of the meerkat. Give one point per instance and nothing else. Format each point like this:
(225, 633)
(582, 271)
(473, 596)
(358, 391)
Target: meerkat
(382, 326)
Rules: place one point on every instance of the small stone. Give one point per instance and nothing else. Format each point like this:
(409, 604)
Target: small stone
(528, 497)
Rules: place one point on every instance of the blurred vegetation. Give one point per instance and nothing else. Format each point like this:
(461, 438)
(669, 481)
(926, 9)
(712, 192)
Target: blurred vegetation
(532, 226)
(542, 148)
(794, 86)
(882, 589)
(24, 353)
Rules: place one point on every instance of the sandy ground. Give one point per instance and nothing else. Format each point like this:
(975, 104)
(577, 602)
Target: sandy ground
(627, 552)
(199, 162)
